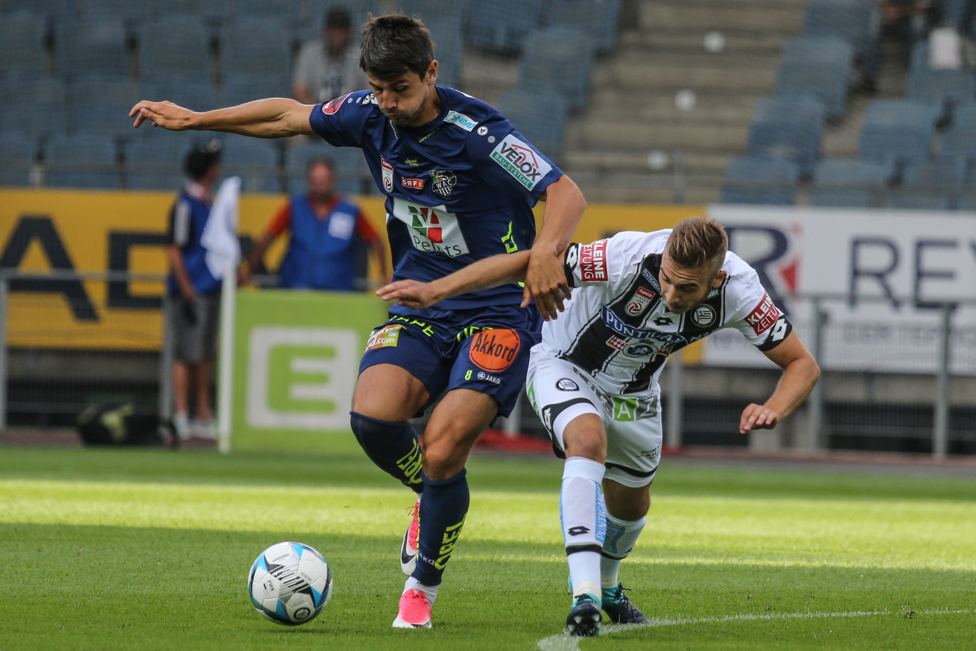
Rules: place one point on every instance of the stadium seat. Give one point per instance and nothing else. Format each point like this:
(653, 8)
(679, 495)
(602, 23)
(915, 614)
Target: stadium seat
(254, 160)
(857, 22)
(920, 200)
(120, 8)
(33, 107)
(561, 58)
(898, 130)
(82, 161)
(945, 172)
(849, 183)
(289, 11)
(22, 43)
(174, 46)
(760, 181)
(39, 7)
(947, 88)
(955, 13)
(251, 46)
(155, 162)
(239, 89)
(17, 154)
(959, 140)
(348, 162)
(95, 46)
(101, 106)
(502, 25)
(819, 66)
(538, 113)
(358, 10)
(966, 202)
(193, 95)
(789, 127)
(448, 49)
(598, 19)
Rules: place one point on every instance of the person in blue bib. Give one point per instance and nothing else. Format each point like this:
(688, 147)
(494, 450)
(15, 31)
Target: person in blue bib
(460, 184)
(327, 232)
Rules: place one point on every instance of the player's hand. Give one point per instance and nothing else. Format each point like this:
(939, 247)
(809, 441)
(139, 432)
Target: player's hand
(409, 293)
(162, 114)
(545, 281)
(757, 417)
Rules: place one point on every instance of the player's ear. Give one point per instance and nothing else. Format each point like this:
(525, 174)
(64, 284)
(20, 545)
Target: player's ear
(431, 76)
(718, 279)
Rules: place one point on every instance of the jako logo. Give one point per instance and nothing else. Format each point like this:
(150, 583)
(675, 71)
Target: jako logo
(495, 350)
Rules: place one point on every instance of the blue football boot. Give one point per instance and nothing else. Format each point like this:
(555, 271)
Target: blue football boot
(619, 608)
(585, 618)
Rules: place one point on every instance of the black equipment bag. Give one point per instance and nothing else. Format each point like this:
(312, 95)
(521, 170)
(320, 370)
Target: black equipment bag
(119, 424)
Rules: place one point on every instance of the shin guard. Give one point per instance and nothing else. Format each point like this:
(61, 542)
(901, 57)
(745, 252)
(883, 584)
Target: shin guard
(391, 446)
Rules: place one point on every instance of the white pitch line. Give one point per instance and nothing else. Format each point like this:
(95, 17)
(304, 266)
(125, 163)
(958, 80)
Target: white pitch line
(565, 642)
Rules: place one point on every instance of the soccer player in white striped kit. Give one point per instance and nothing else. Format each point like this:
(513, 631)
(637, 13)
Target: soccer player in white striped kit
(593, 379)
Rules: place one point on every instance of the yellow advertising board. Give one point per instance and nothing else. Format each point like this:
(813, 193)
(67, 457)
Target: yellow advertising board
(88, 231)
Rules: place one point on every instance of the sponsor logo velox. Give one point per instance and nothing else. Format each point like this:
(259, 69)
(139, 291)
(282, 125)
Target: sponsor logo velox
(521, 161)
(495, 350)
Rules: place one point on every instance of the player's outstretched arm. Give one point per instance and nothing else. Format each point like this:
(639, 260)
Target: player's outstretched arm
(483, 274)
(800, 374)
(545, 280)
(264, 118)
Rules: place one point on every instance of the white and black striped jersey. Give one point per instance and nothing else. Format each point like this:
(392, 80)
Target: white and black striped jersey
(617, 326)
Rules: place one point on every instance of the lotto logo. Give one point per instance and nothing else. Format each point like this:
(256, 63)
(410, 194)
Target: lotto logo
(593, 262)
(764, 316)
(333, 106)
(495, 350)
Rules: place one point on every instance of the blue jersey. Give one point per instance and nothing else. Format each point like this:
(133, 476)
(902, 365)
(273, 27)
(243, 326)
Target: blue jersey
(458, 189)
(187, 221)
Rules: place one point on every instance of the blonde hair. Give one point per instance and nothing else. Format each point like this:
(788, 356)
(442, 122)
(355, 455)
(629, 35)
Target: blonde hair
(696, 242)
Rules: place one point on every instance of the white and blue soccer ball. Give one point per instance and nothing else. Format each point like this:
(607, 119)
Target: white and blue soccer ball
(290, 583)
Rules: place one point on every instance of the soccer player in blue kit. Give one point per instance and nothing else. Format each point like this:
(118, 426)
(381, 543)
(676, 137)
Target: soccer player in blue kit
(460, 184)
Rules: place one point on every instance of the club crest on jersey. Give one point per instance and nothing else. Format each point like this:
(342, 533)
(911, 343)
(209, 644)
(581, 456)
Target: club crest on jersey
(593, 262)
(333, 106)
(764, 316)
(565, 384)
(443, 181)
(494, 350)
(641, 299)
(703, 316)
(387, 175)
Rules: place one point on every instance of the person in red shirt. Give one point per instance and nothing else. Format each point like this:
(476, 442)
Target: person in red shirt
(326, 232)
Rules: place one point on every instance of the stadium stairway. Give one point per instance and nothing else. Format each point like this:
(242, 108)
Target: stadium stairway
(633, 111)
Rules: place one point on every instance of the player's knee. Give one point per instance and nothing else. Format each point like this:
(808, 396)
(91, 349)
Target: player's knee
(628, 504)
(442, 460)
(587, 443)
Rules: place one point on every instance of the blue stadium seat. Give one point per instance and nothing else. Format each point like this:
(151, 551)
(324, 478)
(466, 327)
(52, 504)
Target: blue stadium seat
(101, 106)
(121, 8)
(598, 19)
(760, 181)
(956, 13)
(857, 22)
(82, 161)
(289, 11)
(920, 200)
(22, 43)
(448, 49)
(946, 172)
(155, 161)
(33, 107)
(317, 9)
(348, 162)
(251, 46)
(959, 140)
(239, 89)
(192, 95)
(538, 113)
(561, 58)
(502, 25)
(95, 46)
(849, 183)
(966, 202)
(254, 160)
(819, 66)
(17, 154)
(789, 127)
(40, 7)
(947, 88)
(174, 46)
(898, 130)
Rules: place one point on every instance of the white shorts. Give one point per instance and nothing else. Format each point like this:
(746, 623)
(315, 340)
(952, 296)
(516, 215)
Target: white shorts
(560, 392)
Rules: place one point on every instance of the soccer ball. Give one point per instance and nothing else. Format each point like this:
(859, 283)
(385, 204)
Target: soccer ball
(290, 583)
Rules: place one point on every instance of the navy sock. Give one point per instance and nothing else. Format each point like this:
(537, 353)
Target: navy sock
(391, 446)
(442, 514)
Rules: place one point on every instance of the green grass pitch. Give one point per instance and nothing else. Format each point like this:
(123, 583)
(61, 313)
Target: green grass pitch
(104, 549)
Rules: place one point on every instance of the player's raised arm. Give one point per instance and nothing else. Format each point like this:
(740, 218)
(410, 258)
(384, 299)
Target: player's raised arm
(800, 374)
(483, 274)
(264, 118)
(545, 279)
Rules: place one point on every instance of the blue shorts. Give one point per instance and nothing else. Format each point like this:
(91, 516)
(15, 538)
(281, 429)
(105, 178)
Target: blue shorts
(483, 349)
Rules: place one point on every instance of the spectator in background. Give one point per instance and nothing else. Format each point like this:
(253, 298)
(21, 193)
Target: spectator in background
(193, 293)
(329, 67)
(325, 231)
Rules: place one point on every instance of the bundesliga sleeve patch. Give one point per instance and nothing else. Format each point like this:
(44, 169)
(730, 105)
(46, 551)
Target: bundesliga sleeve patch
(517, 158)
(593, 262)
(333, 106)
(764, 316)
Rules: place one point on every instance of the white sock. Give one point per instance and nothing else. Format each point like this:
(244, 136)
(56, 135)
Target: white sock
(620, 540)
(584, 523)
(429, 591)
